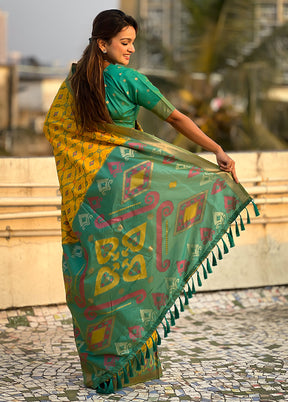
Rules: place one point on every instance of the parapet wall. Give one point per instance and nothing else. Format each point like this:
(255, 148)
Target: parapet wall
(30, 238)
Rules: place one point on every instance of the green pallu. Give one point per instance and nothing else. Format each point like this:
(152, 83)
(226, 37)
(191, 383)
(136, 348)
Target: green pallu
(143, 222)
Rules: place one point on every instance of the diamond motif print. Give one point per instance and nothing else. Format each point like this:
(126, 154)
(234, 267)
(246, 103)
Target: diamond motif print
(190, 212)
(137, 180)
(99, 335)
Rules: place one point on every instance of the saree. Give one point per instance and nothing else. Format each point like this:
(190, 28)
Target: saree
(143, 223)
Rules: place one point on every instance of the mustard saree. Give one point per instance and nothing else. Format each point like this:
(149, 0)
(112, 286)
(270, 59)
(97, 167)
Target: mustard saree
(143, 222)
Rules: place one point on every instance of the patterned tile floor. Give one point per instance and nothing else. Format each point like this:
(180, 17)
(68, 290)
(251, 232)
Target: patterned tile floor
(227, 346)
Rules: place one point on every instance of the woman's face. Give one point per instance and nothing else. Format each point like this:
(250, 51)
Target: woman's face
(121, 46)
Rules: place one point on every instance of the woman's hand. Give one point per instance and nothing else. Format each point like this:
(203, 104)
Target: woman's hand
(226, 163)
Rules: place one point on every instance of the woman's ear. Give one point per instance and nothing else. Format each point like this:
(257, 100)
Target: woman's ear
(101, 44)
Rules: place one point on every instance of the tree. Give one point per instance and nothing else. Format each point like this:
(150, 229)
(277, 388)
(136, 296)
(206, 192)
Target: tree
(219, 31)
(221, 41)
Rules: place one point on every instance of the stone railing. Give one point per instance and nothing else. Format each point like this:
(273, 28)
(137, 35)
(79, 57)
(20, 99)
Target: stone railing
(30, 236)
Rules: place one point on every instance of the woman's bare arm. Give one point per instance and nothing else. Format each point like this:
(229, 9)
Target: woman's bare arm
(187, 127)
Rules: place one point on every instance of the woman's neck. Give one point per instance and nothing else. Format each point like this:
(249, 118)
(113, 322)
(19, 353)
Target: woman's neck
(106, 64)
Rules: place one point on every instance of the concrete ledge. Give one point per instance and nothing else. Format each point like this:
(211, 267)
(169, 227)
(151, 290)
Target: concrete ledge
(30, 240)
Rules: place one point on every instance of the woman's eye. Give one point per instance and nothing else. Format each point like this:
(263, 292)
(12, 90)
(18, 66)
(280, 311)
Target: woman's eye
(125, 44)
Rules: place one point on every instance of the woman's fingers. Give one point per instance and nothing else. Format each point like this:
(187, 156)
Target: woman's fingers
(226, 164)
(234, 175)
(230, 167)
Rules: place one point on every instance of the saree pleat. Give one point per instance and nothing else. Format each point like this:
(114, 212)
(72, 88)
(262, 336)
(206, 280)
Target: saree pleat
(142, 221)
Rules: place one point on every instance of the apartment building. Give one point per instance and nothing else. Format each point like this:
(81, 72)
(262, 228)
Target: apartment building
(3, 37)
(164, 25)
(269, 14)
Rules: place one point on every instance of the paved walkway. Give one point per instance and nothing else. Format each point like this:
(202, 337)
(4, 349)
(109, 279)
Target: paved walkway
(228, 346)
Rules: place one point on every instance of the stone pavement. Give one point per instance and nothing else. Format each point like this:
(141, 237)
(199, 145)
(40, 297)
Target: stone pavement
(227, 346)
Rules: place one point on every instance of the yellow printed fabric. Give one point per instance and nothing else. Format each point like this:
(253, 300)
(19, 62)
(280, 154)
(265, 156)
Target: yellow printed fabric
(142, 221)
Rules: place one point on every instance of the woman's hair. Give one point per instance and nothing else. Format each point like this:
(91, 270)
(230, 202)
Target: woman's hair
(87, 82)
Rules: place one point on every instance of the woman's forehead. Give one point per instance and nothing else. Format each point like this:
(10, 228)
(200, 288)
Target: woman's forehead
(127, 33)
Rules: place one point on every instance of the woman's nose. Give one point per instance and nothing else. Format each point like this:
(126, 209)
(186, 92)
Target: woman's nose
(131, 48)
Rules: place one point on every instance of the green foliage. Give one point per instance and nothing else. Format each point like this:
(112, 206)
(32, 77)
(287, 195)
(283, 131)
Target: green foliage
(219, 31)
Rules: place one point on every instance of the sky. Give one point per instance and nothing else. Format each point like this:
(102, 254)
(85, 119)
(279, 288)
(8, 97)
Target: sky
(53, 31)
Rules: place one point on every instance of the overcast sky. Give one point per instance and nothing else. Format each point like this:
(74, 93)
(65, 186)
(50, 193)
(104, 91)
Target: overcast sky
(53, 31)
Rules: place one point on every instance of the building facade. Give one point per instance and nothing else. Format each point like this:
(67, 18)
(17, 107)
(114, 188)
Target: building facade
(3, 37)
(164, 24)
(269, 14)
(162, 27)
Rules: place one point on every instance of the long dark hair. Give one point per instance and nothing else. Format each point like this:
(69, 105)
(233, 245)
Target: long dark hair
(87, 82)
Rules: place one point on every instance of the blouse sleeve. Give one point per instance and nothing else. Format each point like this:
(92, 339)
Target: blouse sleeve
(143, 93)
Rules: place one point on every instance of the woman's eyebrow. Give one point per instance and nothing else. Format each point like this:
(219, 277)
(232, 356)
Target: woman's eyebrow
(130, 39)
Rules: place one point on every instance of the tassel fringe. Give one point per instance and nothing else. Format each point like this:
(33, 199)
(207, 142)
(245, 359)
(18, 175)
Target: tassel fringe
(248, 217)
(138, 364)
(107, 387)
(237, 229)
(176, 312)
(208, 266)
(241, 223)
(154, 345)
(126, 378)
(172, 319)
(158, 338)
(186, 298)
(199, 279)
(220, 256)
(190, 293)
(119, 383)
(131, 374)
(255, 209)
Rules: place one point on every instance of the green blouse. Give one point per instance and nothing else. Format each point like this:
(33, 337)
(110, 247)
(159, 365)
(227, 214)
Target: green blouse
(126, 90)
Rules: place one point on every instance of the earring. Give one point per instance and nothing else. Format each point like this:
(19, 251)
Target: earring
(104, 51)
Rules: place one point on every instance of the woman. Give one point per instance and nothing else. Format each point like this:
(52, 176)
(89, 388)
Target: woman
(139, 216)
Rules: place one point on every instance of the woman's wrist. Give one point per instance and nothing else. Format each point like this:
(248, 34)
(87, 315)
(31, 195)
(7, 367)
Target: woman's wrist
(218, 149)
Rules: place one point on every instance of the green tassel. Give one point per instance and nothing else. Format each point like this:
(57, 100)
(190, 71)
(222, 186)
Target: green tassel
(220, 256)
(102, 388)
(208, 266)
(158, 338)
(142, 359)
(214, 260)
(190, 294)
(168, 326)
(154, 345)
(237, 229)
(131, 374)
(138, 364)
(110, 388)
(106, 387)
(193, 287)
(231, 234)
(147, 352)
(186, 298)
(226, 250)
(181, 305)
(248, 217)
(242, 223)
(126, 379)
(165, 330)
(257, 213)
(176, 312)
(172, 319)
(230, 237)
(119, 383)
(204, 272)
(199, 279)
